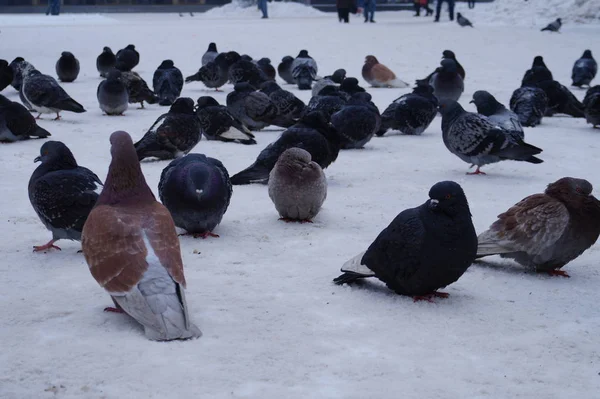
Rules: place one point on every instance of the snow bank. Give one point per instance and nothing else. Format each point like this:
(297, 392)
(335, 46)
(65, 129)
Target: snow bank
(54, 20)
(276, 9)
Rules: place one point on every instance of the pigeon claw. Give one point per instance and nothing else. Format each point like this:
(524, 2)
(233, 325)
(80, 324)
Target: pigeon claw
(557, 273)
(429, 297)
(477, 172)
(201, 235)
(301, 221)
(45, 247)
(113, 310)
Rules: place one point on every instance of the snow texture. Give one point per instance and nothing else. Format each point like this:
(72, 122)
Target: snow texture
(278, 9)
(274, 324)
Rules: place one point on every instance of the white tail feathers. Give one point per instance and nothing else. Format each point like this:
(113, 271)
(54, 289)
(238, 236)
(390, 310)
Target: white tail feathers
(400, 84)
(354, 265)
(235, 134)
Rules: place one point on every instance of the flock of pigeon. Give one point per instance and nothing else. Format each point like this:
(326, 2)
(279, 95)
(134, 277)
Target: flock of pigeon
(129, 239)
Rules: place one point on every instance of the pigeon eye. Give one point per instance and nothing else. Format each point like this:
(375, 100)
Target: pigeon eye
(448, 196)
(579, 190)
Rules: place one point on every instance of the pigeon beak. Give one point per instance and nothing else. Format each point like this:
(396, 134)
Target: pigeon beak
(37, 159)
(433, 203)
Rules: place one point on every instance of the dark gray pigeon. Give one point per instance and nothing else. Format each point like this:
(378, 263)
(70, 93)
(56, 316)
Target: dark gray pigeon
(6, 74)
(412, 113)
(210, 54)
(584, 70)
(217, 123)
(312, 133)
(591, 102)
(304, 70)
(284, 69)
(196, 190)
(445, 54)
(112, 94)
(253, 108)
(62, 193)
(245, 71)
(333, 80)
(330, 100)
(289, 107)
(487, 105)
(462, 21)
(351, 86)
(553, 26)
(127, 58)
(138, 89)
(357, 122)
(530, 104)
(297, 186)
(560, 99)
(546, 231)
(18, 65)
(173, 135)
(214, 74)
(446, 81)
(17, 123)
(67, 67)
(538, 72)
(475, 140)
(269, 70)
(105, 62)
(167, 83)
(423, 249)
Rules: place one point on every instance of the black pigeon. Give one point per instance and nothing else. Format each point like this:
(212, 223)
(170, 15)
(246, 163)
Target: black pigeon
(218, 123)
(553, 26)
(284, 69)
(105, 62)
(591, 102)
(560, 99)
(269, 70)
(530, 104)
(245, 71)
(138, 89)
(538, 72)
(173, 135)
(62, 193)
(253, 108)
(17, 123)
(246, 57)
(332, 80)
(304, 70)
(462, 21)
(412, 113)
(289, 107)
(475, 140)
(357, 122)
(214, 74)
(423, 249)
(67, 67)
(351, 86)
(446, 81)
(445, 54)
(167, 82)
(127, 58)
(584, 70)
(329, 101)
(487, 105)
(196, 190)
(112, 94)
(313, 133)
(6, 74)
(210, 54)
(18, 65)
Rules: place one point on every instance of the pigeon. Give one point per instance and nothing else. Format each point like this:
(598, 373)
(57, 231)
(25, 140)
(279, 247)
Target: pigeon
(245, 71)
(284, 69)
(445, 54)
(17, 123)
(584, 70)
(312, 133)
(43, 94)
(560, 99)
(378, 75)
(215, 73)
(67, 67)
(246, 57)
(553, 26)
(269, 70)
(357, 122)
(351, 86)
(127, 58)
(546, 231)
(217, 123)
(289, 107)
(167, 83)
(196, 190)
(423, 249)
(530, 104)
(591, 102)
(6, 74)
(253, 108)
(411, 113)
(18, 65)
(297, 186)
(476, 140)
(304, 70)
(173, 135)
(329, 101)
(112, 94)
(538, 72)
(446, 82)
(333, 80)
(62, 193)
(210, 54)
(105, 62)
(132, 249)
(138, 89)
(497, 113)
(462, 21)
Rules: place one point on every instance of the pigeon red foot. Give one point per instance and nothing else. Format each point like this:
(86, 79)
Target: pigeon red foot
(45, 247)
(477, 172)
(57, 117)
(558, 273)
(201, 235)
(288, 220)
(429, 297)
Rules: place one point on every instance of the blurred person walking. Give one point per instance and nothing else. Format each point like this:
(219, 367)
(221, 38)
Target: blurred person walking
(53, 7)
(471, 3)
(344, 8)
(422, 4)
(438, 9)
(368, 7)
(262, 6)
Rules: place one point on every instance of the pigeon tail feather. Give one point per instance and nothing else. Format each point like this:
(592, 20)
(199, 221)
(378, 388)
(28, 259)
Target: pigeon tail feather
(253, 174)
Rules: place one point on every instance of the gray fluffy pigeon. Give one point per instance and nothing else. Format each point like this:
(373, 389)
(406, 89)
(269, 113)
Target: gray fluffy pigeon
(243, 69)
(253, 108)
(17, 123)
(462, 21)
(217, 123)
(112, 94)
(530, 104)
(297, 186)
(560, 99)
(591, 102)
(289, 107)
(67, 67)
(196, 190)
(210, 54)
(304, 70)
(138, 89)
(539, 72)
(553, 26)
(269, 70)
(357, 122)
(105, 61)
(476, 140)
(214, 74)
(333, 80)
(497, 113)
(284, 69)
(546, 231)
(584, 70)
(412, 113)
(423, 249)
(62, 193)
(127, 58)
(446, 81)
(167, 83)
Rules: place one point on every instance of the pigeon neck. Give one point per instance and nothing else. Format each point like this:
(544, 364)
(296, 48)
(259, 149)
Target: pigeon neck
(125, 184)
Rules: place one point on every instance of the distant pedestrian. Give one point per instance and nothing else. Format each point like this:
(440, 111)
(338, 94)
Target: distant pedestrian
(344, 8)
(53, 7)
(422, 4)
(438, 9)
(262, 6)
(471, 3)
(368, 7)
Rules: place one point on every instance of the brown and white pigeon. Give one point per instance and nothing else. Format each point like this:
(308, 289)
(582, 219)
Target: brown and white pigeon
(378, 75)
(130, 244)
(546, 231)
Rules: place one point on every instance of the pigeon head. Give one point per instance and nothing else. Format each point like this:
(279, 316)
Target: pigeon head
(67, 54)
(212, 47)
(206, 101)
(287, 59)
(350, 85)
(166, 64)
(303, 54)
(361, 97)
(183, 105)
(569, 189)
(449, 65)
(486, 103)
(107, 49)
(328, 91)
(449, 108)
(244, 87)
(56, 153)
(449, 54)
(295, 155)
(338, 76)
(458, 15)
(538, 61)
(371, 60)
(114, 74)
(264, 61)
(587, 54)
(130, 47)
(17, 60)
(3, 63)
(559, 20)
(447, 197)
(246, 57)
(269, 87)
(423, 87)
(232, 57)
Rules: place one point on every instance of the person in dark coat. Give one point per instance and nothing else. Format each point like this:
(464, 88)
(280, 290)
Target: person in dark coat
(53, 7)
(422, 4)
(438, 9)
(471, 4)
(344, 8)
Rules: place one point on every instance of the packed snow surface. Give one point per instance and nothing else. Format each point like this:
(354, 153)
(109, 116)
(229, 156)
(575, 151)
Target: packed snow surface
(274, 324)
(536, 12)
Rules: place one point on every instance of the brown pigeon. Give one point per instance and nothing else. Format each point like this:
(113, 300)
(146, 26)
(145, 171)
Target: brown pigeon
(378, 75)
(130, 244)
(546, 231)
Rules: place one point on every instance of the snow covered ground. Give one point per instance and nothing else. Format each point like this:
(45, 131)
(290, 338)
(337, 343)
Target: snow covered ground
(274, 325)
